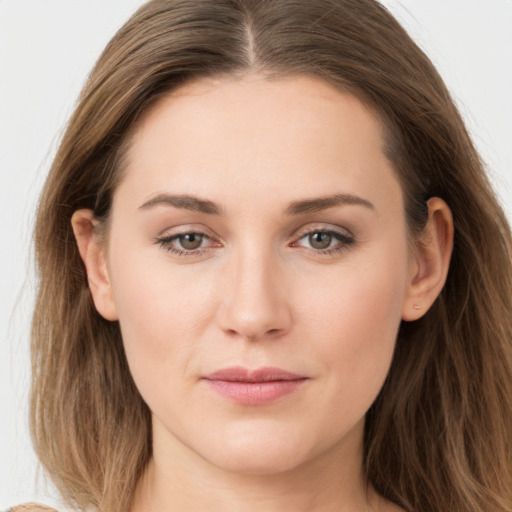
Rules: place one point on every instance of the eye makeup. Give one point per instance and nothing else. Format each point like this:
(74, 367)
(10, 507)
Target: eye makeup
(315, 240)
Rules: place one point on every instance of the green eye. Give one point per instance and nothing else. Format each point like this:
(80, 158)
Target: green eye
(190, 241)
(320, 240)
(191, 244)
(325, 241)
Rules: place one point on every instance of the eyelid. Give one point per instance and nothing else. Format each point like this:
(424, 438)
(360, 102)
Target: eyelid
(322, 227)
(166, 238)
(183, 229)
(344, 237)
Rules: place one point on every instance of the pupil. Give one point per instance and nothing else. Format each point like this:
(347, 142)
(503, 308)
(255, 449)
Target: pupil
(191, 241)
(320, 240)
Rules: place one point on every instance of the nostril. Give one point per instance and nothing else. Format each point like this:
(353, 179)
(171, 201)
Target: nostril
(256, 337)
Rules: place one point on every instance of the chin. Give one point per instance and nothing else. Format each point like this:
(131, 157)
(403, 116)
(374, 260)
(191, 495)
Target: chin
(255, 461)
(264, 452)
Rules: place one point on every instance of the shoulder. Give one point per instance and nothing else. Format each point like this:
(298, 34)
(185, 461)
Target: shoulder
(30, 507)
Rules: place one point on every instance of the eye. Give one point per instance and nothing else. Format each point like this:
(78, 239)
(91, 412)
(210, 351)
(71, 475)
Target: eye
(190, 243)
(320, 240)
(325, 241)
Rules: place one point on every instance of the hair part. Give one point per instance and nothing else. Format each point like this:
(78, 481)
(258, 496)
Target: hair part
(438, 437)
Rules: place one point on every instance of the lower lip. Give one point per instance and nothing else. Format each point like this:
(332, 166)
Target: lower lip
(255, 393)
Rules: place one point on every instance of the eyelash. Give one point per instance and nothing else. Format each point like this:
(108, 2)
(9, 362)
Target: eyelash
(166, 243)
(345, 240)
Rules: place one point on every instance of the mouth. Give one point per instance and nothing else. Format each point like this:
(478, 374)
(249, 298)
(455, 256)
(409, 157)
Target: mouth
(254, 387)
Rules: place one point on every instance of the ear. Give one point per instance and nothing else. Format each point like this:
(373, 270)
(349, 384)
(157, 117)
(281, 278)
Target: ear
(93, 253)
(430, 260)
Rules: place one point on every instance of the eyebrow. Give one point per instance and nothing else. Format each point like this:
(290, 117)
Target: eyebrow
(313, 205)
(318, 204)
(186, 202)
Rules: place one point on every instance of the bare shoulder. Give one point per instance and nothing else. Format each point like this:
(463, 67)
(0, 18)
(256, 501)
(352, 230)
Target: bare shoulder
(31, 507)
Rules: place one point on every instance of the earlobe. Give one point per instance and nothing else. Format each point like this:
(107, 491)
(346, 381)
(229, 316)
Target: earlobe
(431, 260)
(92, 252)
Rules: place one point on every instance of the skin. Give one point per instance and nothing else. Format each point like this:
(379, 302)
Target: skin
(257, 292)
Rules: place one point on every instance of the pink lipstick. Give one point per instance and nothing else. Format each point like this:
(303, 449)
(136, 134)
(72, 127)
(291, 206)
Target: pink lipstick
(254, 387)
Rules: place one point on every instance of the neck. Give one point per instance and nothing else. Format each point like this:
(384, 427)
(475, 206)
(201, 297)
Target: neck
(178, 478)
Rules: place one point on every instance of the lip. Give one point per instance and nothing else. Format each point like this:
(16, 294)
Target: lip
(254, 387)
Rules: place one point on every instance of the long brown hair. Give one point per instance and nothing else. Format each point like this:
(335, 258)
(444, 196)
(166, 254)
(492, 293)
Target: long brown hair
(439, 436)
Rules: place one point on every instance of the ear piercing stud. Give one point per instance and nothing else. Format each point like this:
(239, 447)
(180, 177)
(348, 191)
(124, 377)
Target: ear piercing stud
(415, 306)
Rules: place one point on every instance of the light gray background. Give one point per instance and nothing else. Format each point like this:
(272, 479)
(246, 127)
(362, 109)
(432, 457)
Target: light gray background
(46, 50)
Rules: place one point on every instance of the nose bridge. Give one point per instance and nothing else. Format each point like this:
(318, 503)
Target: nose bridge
(254, 303)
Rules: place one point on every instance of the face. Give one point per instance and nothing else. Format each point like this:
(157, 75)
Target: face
(258, 262)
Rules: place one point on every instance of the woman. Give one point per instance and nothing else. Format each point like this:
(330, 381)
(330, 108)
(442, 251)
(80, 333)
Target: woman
(287, 280)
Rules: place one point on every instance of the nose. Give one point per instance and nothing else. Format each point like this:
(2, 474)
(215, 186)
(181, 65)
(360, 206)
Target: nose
(254, 304)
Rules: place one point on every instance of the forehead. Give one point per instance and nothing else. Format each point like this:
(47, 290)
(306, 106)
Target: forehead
(227, 136)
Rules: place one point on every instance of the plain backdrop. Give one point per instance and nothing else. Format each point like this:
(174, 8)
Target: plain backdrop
(46, 50)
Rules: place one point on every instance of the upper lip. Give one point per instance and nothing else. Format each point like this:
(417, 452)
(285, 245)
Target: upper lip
(241, 374)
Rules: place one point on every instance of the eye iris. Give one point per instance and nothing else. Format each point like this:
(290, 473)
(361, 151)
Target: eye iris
(320, 240)
(191, 241)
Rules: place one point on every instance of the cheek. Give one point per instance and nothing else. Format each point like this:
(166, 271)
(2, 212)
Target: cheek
(354, 319)
(163, 312)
